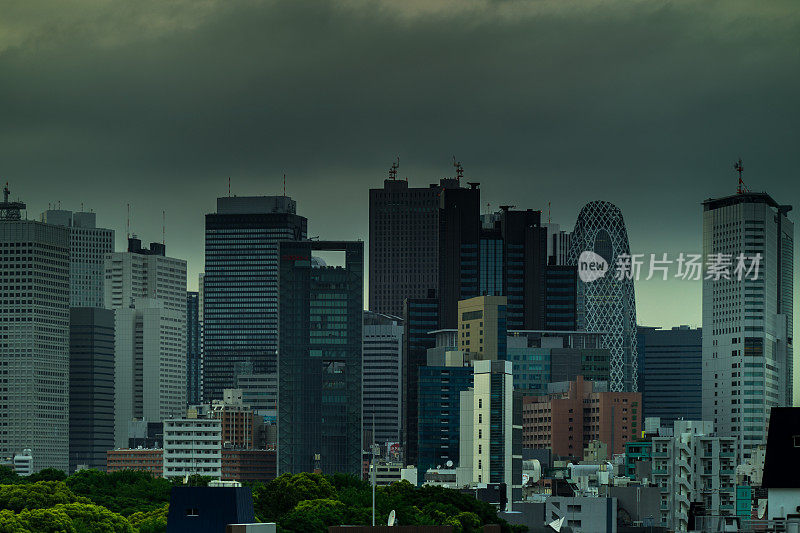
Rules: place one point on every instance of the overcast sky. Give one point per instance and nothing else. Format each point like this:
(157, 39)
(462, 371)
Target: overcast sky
(645, 104)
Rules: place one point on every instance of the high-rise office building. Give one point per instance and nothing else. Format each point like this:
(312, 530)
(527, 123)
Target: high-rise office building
(421, 318)
(521, 260)
(382, 376)
(491, 429)
(91, 392)
(193, 346)
(560, 297)
(482, 327)
(543, 357)
(670, 373)
(403, 243)
(88, 248)
(147, 290)
(240, 299)
(34, 338)
(319, 361)
(440, 384)
(607, 304)
(459, 250)
(748, 364)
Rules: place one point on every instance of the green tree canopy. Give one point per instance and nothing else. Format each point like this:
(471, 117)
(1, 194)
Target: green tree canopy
(39, 495)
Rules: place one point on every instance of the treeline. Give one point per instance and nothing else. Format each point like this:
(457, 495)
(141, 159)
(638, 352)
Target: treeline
(91, 501)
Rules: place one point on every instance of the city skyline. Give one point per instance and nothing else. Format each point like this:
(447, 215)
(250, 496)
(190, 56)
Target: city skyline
(158, 106)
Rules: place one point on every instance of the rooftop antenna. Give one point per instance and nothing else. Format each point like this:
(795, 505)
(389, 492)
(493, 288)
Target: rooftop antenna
(741, 187)
(393, 168)
(284, 185)
(163, 227)
(459, 169)
(548, 211)
(128, 222)
(10, 210)
(229, 186)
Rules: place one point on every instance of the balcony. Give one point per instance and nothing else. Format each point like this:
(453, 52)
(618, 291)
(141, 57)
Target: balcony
(659, 471)
(727, 453)
(726, 471)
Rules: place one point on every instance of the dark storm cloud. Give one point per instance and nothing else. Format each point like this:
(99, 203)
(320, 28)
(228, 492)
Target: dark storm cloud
(642, 103)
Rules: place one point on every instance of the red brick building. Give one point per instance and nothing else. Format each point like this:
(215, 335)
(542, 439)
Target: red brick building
(566, 421)
(149, 460)
(249, 465)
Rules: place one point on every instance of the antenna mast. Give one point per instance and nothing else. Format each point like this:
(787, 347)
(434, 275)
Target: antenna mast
(393, 168)
(459, 169)
(284, 185)
(128, 222)
(10, 210)
(163, 227)
(741, 187)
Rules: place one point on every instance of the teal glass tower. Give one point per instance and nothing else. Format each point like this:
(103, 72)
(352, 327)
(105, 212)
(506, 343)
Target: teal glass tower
(319, 358)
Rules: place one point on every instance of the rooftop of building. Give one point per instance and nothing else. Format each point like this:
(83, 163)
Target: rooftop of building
(745, 198)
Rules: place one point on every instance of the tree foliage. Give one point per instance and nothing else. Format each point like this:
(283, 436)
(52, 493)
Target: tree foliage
(125, 492)
(91, 501)
(154, 521)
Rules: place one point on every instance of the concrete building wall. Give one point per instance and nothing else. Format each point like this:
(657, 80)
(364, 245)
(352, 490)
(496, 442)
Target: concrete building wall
(34, 342)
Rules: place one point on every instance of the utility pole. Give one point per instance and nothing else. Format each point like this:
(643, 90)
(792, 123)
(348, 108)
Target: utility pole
(374, 449)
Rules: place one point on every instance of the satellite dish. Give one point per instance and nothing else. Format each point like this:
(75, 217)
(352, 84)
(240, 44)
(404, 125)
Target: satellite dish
(556, 524)
(392, 519)
(449, 464)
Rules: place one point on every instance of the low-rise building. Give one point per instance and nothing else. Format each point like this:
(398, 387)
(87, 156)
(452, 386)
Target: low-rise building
(144, 459)
(193, 446)
(249, 465)
(694, 465)
(386, 472)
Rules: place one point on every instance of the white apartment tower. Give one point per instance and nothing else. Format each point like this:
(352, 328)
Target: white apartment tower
(488, 449)
(88, 248)
(748, 364)
(147, 290)
(694, 465)
(34, 339)
(193, 446)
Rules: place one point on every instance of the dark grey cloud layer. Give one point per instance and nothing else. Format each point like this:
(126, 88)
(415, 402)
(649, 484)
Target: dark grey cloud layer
(645, 104)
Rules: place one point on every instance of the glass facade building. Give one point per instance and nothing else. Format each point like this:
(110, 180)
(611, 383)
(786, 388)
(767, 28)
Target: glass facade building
(193, 344)
(421, 318)
(91, 391)
(607, 305)
(240, 300)
(748, 362)
(671, 373)
(439, 414)
(319, 361)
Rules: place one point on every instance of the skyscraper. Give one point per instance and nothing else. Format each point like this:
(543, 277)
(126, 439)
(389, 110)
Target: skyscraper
(319, 361)
(607, 305)
(88, 248)
(670, 376)
(193, 340)
(747, 324)
(240, 300)
(382, 376)
(147, 290)
(421, 318)
(34, 338)
(403, 243)
(91, 392)
(459, 250)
